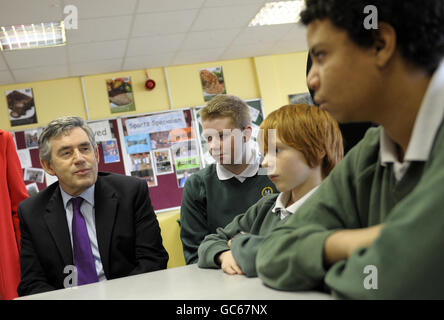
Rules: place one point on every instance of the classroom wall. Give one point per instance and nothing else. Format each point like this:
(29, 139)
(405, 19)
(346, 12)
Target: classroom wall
(271, 78)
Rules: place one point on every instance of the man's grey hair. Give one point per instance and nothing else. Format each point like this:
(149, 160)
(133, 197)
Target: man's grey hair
(60, 126)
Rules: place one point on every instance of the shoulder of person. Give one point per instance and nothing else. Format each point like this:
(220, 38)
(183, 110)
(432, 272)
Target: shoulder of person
(365, 153)
(268, 200)
(118, 180)
(39, 200)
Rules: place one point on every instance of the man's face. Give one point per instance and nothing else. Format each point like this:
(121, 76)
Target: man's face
(287, 167)
(343, 75)
(224, 140)
(73, 160)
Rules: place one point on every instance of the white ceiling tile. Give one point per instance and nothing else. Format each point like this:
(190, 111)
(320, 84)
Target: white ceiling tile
(3, 65)
(26, 12)
(298, 34)
(150, 24)
(287, 46)
(6, 77)
(227, 3)
(154, 45)
(225, 17)
(250, 50)
(262, 34)
(100, 29)
(93, 67)
(148, 61)
(204, 55)
(168, 5)
(41, 73)
(102, 8)
(97, 51)
(209, 39)
(29, 58)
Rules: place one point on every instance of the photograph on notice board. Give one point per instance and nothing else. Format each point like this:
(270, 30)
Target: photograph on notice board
(21, 106)
(183, 175)
(32, 138)
(184, 149)
(32, 189)
(159, 140)
(212, 80)
(120, 95)
(110, 151)
(142, 167)
(164, 163)
(138, 143)
(34, 174)
(181, 134)
(300, 98)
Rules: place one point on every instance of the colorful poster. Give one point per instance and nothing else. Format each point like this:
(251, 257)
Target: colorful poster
(155, 123)
(142, 167)
(138, 143)
(164, 163)
(183, 175)
(120, 95)
(159, 140)
(181, 134)
(110, 151)
(212, 80)
(21, 106)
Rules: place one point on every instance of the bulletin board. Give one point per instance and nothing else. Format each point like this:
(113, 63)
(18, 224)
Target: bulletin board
(163, 148)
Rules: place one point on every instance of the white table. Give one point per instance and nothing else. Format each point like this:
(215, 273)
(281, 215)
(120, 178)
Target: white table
(182, 283)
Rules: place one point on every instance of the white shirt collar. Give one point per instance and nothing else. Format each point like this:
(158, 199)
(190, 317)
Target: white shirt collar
(427, 124)
(282, 201)
(87, 195)
(250, 171)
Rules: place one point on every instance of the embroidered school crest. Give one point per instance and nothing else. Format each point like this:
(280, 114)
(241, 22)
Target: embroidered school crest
(266, 191)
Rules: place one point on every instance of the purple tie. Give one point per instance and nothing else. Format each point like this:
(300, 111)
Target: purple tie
(83, 257)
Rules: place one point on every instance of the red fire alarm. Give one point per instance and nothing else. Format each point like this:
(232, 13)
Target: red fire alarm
(149, 83)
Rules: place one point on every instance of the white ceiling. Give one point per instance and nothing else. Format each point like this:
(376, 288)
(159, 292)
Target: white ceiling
(118, 35)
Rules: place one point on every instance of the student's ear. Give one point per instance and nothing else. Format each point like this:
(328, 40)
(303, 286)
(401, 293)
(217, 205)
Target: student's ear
(247, 133)
(46, 165)
(384, 44)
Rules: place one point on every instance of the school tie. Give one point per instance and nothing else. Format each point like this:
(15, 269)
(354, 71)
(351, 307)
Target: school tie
(83, 257)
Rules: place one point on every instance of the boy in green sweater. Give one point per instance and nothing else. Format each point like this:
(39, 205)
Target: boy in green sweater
(213, 196)
(374, 228)
(306, 147)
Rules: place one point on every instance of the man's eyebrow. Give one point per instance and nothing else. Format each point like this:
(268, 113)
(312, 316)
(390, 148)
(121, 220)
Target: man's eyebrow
(83, 144)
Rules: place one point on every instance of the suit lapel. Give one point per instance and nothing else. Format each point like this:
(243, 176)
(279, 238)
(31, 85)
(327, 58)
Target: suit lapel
(105, 202)
(55, 218)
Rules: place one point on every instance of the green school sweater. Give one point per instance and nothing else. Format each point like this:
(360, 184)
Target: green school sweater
(359, 193)
(209, 203)
(248, 230)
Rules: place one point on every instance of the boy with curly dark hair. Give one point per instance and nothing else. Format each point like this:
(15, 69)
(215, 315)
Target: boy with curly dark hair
(374, 227)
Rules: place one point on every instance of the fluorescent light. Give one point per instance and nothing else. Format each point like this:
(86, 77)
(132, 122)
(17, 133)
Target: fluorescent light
(39, 35)
(278, 13)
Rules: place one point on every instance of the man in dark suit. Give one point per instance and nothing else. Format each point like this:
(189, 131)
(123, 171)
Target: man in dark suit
(100, 225)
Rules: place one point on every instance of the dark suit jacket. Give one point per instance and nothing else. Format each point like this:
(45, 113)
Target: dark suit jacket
(128, 233)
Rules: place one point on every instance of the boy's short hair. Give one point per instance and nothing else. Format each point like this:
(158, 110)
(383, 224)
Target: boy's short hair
(310, 130)
(419, 25)
(227, 106)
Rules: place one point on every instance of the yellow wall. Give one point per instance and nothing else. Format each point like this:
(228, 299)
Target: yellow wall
(271, 78)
